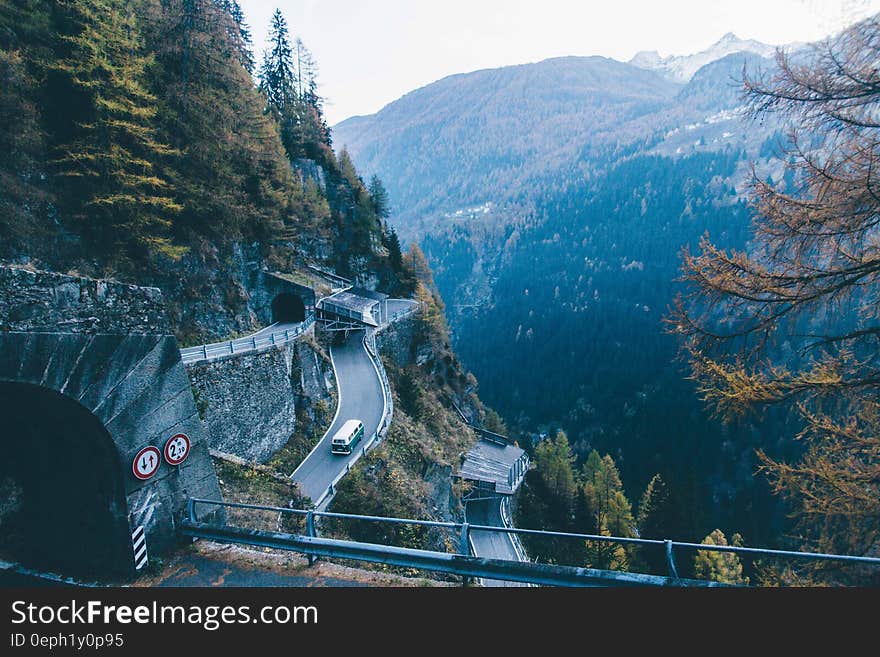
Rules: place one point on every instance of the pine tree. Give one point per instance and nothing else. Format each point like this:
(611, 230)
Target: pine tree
(395, 257)
(657, 519)
(554, 461)
(231, 172)
(721, 567)
(603, 490)
(379, 197)
(239, 34)
(110, 164)
(277, 76)
(810, 279)
(603, 484)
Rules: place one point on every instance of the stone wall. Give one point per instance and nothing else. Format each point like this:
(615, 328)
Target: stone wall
(46, 302)
(249, 403)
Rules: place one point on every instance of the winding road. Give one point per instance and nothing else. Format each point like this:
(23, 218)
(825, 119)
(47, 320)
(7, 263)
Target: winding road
(491, 545)
(361, 397)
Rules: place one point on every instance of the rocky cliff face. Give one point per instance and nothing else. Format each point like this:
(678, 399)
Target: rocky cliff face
(46, 302)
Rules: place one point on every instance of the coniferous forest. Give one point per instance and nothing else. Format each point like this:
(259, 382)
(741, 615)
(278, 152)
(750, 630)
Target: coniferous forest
(144, 140)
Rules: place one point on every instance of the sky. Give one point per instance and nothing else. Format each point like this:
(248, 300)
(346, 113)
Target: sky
(372, 52)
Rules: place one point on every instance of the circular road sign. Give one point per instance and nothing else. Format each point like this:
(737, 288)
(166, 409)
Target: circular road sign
(146, 463)
(177, 449)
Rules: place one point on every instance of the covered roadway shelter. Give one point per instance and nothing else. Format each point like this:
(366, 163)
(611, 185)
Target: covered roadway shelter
(495, 466)
(352, 309)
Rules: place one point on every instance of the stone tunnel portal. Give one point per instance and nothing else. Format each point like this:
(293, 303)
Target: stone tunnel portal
(62, 498)
(288, 308)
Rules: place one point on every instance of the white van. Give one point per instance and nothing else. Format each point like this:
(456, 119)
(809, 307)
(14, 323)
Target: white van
(347, 437)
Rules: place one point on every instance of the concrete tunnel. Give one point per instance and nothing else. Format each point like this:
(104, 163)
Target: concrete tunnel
(288, 308)
(62, 497)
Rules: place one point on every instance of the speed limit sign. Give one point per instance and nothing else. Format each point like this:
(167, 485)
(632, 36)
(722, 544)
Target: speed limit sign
(177, 449)
(146, 463)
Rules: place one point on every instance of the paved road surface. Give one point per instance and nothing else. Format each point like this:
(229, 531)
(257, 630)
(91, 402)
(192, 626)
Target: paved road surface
(241, 345)
(396, 306)
(491, 545)
(360, 398)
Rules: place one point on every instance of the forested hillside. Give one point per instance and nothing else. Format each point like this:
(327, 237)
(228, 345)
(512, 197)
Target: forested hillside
(141, 140)
(559, 265)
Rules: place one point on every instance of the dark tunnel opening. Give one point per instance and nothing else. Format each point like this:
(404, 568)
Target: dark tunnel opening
(62, 499)
(288, 309)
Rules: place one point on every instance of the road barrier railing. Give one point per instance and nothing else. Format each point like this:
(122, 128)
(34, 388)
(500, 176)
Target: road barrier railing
(463, 563)
(241, 346)
(388, 415)
(400, 314)
(508, 522)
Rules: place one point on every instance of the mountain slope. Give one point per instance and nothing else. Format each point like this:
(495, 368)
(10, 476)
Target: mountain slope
(472, 138)
(552, 201)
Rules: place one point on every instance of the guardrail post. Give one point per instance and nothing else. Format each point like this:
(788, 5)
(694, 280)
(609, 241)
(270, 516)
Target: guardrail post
(254, 340)
(273, 338)
(310, 531)
(464, 548)
(670, 560)
(205, 349)
(231, 347)
(191, 510)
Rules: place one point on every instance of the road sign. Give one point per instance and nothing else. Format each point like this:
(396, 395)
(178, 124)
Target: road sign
(146, 463)
(177, 449)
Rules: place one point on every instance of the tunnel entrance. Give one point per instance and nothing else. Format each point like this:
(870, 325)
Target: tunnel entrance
(62, 499)
(288, 309)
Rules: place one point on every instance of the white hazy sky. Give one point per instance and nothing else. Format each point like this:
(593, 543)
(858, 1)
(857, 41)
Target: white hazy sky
(371, 52)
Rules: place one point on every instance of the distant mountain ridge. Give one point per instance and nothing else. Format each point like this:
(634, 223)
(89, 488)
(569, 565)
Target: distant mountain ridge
(493, 135)
(681, 68)
(450, 143)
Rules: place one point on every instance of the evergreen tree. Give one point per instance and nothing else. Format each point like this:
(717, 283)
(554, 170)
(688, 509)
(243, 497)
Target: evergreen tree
(379, 197)
(657, 519)
(720, 566)
(231, 172)
(277, 76)
(395, 257)
(554, 461)
(239, 34)
(604, 487)
(110, 163)
(603, 490)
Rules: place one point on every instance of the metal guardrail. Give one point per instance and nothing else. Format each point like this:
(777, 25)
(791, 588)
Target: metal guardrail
(508, 522)
(388, 415)
(400, 314)
(240, 346)
(460, 564)
(532, 573)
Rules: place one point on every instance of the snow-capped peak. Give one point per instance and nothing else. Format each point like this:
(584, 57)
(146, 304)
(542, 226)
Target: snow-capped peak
(681, 68)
